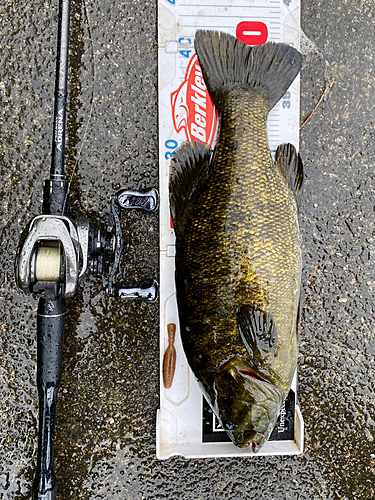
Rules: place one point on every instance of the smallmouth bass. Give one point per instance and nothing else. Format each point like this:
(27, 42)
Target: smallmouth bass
(238, 254)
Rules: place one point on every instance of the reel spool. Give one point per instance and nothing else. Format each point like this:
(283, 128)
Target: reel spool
(48, 262)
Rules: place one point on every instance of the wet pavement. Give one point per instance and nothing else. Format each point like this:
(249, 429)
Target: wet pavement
(105, 444)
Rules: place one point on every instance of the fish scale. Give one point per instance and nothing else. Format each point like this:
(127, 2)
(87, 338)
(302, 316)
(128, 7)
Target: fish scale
(268, 245)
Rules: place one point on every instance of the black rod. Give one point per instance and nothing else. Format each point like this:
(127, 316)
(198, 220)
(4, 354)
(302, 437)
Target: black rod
(61, 93)
(51, 313)
(56, 188)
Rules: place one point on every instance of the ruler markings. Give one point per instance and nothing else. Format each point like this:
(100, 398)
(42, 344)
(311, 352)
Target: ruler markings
(225, 3)
(209, 22)
(205, 25)
(215, 5)
(226, 17)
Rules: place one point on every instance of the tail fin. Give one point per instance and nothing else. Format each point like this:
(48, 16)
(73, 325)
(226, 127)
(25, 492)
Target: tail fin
(226, 61)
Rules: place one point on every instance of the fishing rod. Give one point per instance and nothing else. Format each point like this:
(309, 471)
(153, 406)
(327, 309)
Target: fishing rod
(56, 252)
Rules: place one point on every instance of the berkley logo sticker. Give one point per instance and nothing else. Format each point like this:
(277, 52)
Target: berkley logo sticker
(192, 107)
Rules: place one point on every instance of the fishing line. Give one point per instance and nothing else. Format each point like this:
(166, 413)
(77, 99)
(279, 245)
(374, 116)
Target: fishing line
(91, 105)
(48, 263)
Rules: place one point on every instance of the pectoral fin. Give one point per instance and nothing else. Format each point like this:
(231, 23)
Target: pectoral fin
(290, 164)
(257, 330)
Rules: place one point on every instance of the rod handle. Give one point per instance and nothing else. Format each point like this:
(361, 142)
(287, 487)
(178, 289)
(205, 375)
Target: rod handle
(50, 333)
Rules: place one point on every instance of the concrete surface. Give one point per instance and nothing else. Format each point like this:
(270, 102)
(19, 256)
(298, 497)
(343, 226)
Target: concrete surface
(105, 446)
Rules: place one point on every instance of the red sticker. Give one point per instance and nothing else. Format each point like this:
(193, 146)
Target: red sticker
(252, 32)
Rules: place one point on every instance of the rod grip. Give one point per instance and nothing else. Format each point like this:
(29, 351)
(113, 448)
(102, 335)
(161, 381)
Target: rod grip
(50, 333)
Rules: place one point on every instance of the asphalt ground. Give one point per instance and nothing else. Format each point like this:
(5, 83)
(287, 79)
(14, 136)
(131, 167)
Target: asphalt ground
(105, 444)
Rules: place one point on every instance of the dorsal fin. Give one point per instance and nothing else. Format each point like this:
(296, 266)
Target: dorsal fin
(190, 168)
(290, 164)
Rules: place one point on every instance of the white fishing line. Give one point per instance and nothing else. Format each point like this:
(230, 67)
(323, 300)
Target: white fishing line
(93, 97)
(47, 264)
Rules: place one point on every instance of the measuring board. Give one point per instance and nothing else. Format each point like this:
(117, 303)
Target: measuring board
(186, 424)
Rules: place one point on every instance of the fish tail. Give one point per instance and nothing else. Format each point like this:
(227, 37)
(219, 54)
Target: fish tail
(226, 61)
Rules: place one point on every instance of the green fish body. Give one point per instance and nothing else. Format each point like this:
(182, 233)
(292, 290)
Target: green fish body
(238, 254)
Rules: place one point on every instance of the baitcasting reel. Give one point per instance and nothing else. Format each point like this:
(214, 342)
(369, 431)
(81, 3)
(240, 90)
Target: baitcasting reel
(57, 252)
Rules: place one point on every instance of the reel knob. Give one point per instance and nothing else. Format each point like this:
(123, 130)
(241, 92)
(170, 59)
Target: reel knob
(129, 199)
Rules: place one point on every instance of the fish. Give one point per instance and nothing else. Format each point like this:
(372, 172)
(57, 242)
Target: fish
(238, 250)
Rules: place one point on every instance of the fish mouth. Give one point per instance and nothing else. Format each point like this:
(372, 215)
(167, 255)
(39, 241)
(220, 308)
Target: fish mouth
(255, 447)
(252, 440)
(254, 443)
(248, 401)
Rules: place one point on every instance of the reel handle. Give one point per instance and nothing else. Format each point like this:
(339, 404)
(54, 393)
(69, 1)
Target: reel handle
(128, 199)
(146, 291)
